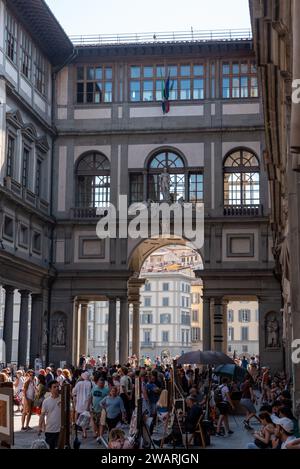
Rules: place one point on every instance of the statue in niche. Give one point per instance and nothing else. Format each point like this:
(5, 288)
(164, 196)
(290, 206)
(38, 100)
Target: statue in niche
(272, 331)
(59, 332)
(164, 185)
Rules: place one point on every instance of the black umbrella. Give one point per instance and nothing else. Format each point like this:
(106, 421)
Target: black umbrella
(234, 371)
(208, 357)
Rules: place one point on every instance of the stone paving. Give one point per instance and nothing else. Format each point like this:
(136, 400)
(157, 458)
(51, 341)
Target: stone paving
(238, 440)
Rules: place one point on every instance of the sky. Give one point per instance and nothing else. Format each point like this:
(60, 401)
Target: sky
(127, 16)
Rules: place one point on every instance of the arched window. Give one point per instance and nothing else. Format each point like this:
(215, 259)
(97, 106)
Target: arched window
(174, 166)
(93, 181)
(185, 184)
(241, 179)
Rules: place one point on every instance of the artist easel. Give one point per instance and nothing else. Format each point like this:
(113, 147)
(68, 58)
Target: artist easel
(6, 415)
(142, 430)
(176, 401)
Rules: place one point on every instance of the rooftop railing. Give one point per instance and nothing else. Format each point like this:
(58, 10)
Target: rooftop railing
(217, 35)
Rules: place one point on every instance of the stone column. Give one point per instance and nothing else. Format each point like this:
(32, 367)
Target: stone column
(218, 325)
(83, 329)
(36, 328)
(124, 331)
(75, 360)
(206, 326)
(23, 328)
(112, 332)
(225, 326)
(136, 330)
(8, 322)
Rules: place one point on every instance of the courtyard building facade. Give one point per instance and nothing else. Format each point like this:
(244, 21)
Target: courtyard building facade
(81, 124)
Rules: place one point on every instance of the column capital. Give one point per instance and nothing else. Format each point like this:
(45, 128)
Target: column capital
(9, 288)
(24, 293)
(218, 300)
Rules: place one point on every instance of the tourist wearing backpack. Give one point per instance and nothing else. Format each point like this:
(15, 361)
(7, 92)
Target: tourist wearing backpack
(223, 403)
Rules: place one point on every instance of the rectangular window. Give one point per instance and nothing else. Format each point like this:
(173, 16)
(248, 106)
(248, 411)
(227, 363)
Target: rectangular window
(147, 301)
(148, 90)
(245, 348)
(148, 286)
(185, 89)
(40, 73)
(136, 188)
(165, 287)
(36, 242)
(94, 84)
(230, 333)
(185, 318)
(195, 315)
(185, 82)
(38, 177)
(147, 337)
(165, 301)
(239, 80)
(244, 315)
(11, 35)
(10, 155)
(225, 88)
(147, 318)
(165, 318)
(165, 336)
(26, 53)
(25, 167)
(8, 227)
(198, 90)
(230, 315)
(244, 333)
(196, 334)
(23, 235)
(135, 91)
(195, 187)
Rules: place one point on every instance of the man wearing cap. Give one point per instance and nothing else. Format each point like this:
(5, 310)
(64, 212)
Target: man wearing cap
(284, 431)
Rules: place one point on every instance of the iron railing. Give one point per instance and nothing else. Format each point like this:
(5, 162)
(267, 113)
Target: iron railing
(161, 37)
(243, 210)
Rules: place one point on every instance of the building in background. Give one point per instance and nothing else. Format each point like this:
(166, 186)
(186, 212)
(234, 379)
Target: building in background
(171, 311)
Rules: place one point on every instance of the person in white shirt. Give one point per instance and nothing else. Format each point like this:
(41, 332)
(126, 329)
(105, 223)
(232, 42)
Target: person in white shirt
(81, 394)
(51, 409)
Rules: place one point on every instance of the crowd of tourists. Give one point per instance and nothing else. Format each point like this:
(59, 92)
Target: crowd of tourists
(103, 398)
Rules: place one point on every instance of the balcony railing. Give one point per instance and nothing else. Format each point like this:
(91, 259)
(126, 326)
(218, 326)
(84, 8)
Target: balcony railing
(164, 36)
(243, 210)
(84, 213)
